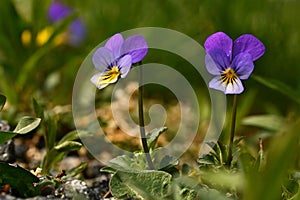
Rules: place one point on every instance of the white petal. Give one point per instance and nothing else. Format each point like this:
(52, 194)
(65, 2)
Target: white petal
(98, 81)
(235, 87)
(217, 84)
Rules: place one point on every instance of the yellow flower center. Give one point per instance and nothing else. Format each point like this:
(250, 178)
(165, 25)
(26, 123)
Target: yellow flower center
(111, 75)
(228, 76)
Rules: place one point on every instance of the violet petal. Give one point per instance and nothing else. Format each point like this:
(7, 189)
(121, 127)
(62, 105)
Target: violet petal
(243, 65)
(124, 65)
(114, 44)
(216, 61)
(221, 41)
(247, 43)
(102, 59)
(58, 11)
(77, 32)
(136, 46)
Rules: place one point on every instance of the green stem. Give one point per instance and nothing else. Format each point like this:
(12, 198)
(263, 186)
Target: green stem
(232, 130)
(141, 119)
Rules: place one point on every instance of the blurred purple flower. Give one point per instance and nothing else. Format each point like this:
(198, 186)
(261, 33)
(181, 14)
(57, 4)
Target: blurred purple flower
(77, 30)
(230, 61)
(115, 59)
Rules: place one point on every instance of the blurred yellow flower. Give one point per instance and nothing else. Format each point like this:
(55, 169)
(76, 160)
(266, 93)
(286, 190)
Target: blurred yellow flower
(43, 37)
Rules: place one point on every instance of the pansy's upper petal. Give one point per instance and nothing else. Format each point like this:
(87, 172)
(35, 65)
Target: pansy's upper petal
(102, 59)
(243, 65)
(124, 65)
(221, 41)
(136, 46)
(58, 11)
(216, 61)
(247, 43)
(114, 44)
(232, 88)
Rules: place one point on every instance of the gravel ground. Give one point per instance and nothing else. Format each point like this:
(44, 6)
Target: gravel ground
(93, 186)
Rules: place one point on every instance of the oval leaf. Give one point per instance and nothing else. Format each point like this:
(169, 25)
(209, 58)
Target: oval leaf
(5, 136)
(19, 179)
(153, 135)
(27, 124)
(146, 184)
(68, 146)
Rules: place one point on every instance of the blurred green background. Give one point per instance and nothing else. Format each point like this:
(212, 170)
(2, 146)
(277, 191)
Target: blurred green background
(48, 71)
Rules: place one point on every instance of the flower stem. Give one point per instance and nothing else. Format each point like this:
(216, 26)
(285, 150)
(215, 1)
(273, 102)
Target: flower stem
(141, 119)
(232, 130)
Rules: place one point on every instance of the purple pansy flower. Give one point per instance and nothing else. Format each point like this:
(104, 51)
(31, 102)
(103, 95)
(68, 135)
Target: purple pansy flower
(230, 61)
(77, 30)
(115, 59)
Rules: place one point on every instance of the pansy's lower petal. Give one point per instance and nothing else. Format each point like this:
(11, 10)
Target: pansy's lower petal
(216, 61)
(247, 43)
(125, 65)
(217, 84)
(243, 65)
(101, 80)
(136, 46)
(235, 87)
(114, 44)
(96, 80)
(102, 59)
(221, 41)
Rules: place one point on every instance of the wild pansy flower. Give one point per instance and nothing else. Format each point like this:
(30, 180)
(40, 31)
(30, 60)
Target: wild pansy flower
(77, 31)
(230, 61)
(115, 59)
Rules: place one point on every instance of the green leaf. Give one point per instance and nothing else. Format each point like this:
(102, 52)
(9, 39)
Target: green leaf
(146, 184)
(27, 124)
(76, 170)
(68, 146)
(2, 101)
(74, 135)
(5, 136)
(280, 87)
(282, 154)
(24, 9)
(269, 122)
(50, 130)
(39, 111)
(19, 179)
(121, 163)
(49, 159)
(108, 169)
(153, 135)
(188, 188)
